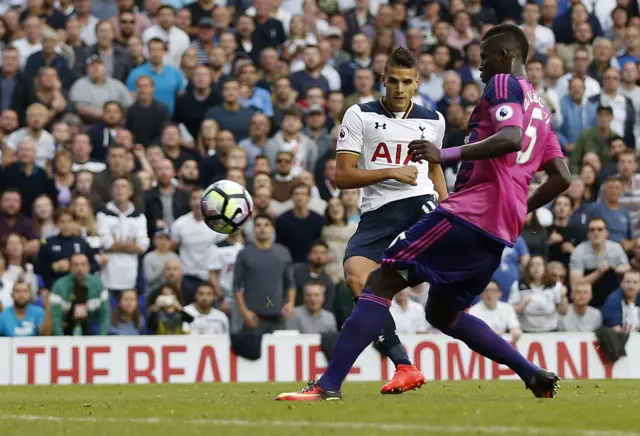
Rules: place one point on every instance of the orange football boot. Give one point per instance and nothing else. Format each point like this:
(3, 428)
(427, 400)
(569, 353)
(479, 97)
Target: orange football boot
(406, 378)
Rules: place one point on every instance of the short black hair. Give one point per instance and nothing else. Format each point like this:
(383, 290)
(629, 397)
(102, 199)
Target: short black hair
(402, 57)
(263, 216)
(516, 34)
(607, 109)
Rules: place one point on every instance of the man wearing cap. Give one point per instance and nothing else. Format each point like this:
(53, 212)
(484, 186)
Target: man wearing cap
(316, 128)
(336, 40)
(90, 93)
(154, 261)
(168, 80)
(117, 59)
(49, 58)
(204, 39)
(176, 38)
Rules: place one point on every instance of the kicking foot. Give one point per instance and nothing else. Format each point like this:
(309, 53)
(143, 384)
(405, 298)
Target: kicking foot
(312, 392)
(544, 384)
(406, 378)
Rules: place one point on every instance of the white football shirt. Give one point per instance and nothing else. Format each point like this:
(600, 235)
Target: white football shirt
(214, 322)
(223, 259)
(501, 319)
(381, 139)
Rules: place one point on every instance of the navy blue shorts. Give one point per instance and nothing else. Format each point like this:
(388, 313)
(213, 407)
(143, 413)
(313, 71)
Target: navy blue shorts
(378, 228)
(456, 259)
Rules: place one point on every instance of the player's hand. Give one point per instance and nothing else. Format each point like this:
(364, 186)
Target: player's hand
(603, 266)
(421, 149)
(250, 319)
(408, 175)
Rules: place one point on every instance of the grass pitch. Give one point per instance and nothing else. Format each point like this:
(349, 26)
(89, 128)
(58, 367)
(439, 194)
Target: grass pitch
(587, 408)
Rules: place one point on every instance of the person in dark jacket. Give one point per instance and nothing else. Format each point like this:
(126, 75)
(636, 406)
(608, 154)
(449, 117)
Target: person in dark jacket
(47, 57)
(28, 178)
(620, 310)
(158, 214)
(103, 134)
(54, 257)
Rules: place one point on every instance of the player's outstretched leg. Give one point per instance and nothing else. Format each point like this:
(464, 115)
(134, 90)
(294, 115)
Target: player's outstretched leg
(483, 340)
(362, 327)
(406, 376)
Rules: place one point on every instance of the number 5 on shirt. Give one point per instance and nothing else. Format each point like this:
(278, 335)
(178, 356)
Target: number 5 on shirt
(532, 134)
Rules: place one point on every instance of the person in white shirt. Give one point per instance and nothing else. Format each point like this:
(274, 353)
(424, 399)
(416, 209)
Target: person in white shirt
(500, 316)
(550, 99)
(408, 315)
(177, 39)
(580, 66)
(207, 320)
(223, 261)
(537, 300)
(545, 38)
(31, 43)
(44, 143)
(194, 240)
(624, 116)
(430, 83)
(82, 13)
(631, 90)
(581, 317)
(123, 235)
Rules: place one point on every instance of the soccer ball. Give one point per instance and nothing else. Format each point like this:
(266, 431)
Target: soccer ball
(226, 206)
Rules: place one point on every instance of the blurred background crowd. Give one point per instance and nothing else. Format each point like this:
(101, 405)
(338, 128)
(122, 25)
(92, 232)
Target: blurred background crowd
(115, 114)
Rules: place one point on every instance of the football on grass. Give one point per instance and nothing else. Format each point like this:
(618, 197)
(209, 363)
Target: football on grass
(226, 206)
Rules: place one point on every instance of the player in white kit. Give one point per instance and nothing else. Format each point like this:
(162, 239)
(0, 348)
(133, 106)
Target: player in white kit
(373, 154)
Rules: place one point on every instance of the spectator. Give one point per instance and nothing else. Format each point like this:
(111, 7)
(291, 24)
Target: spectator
(500, 316)
(620, 310)
(311, 75)
(81, 150)
(54, 258)
(452, 88)
(194, 240)
(598, 262)
(545, 39)
(563, 236)
(43, 217)
(12, 221)
(193, 104)
(256, 97)
(13, 84)
(254, 145)
(351, 200)
(603, 53)
(126, 319)
(88, 23)
(123, 233)
(166, 316)
(262, 283)
(47, 57)
(327, 186)
(166, 30)
(155, 261)
(17, 266)
(549, 97)
(126, 23)
(90, 93)
(364, 92)
(618, 219)
(116, 59)
(168, 81)
(537, 300)
(314, 269)
(594, 140)
(79, 301)
(141, 21)
(207, 320)
(24, 318)
(148, 116)
(581, 317)
(627, 171)
(35, 131)
(513, 259)
(299, 227)
(311, 318)
(580, 66)
(230, 114)
(32, 40)
(165, 202)
(632, 46)
(25, 176)
(577, 112)
(624, 114)
(582, 37)
(269, 32)
(223, 260)
(407, 314)
(101, 188)
(291, 139)
(103, 133)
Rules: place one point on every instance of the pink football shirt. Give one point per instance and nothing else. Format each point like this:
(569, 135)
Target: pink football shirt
(491, 194)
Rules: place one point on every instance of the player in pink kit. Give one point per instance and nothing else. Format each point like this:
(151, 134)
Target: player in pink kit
(457, 247)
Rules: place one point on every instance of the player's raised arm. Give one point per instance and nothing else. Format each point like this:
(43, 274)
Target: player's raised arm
(348, 150)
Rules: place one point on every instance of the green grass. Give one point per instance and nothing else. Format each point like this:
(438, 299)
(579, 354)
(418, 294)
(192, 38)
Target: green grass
(589, 408)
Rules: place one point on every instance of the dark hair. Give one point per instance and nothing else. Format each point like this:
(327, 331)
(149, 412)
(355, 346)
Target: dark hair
(597, 218)
(293, 111)
(63, 212)
(166, 6)
(230, 79)
(535, 61)
(117, 313)
(605, 109)
(263, 216)
(298, 184)
(152, 40)
(402, 57)
(614, 178)
(328, 221)
(630, 152)
(516, 35)
(319, 243)
(117, 103)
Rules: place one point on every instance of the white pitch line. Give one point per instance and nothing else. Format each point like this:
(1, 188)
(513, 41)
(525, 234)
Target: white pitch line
(326, 425)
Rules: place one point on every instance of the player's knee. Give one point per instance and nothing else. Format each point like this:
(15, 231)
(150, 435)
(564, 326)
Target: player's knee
(385, 282)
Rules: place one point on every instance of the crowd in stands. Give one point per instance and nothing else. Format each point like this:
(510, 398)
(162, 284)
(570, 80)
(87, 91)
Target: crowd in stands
(115, 114)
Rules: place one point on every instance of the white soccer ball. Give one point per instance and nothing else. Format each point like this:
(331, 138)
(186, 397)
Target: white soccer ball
(226, 206)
